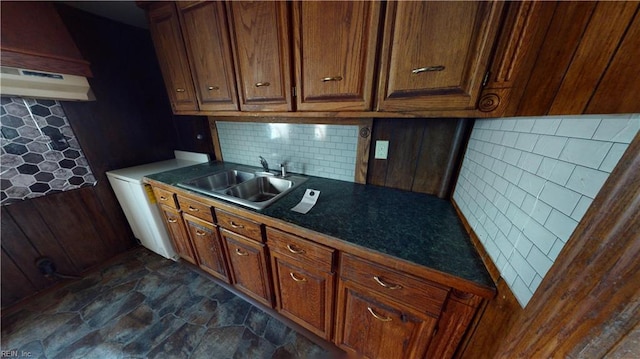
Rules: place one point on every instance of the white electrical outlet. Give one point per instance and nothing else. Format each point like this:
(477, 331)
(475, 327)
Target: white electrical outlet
(382, 150)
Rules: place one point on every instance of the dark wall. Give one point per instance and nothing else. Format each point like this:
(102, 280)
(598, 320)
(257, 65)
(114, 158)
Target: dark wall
(424, 154)
(129, 124)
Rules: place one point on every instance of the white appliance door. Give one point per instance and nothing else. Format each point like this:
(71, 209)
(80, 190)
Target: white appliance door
(143, 216)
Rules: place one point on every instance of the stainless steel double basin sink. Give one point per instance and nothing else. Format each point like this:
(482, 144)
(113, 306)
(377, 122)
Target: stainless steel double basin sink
(252, 189)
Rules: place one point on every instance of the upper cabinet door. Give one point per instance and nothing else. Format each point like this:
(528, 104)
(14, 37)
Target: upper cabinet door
(165, 31)
(335, 48)
(259, 35)
(435, 54)
(206, 37)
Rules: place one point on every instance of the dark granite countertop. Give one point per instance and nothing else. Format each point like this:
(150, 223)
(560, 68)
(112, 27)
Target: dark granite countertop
(416, 227)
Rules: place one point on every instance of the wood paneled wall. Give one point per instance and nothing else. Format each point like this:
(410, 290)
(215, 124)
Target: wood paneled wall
(130, 123)
(424, 154)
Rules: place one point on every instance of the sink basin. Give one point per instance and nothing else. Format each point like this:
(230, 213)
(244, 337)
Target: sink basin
(218, 181)
(260, 189)
(255, 190)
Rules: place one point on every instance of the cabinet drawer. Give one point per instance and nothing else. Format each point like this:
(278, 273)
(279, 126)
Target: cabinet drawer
(195, 208)
(239, 225)
(300, 249)
(413, 291)
(165, 197)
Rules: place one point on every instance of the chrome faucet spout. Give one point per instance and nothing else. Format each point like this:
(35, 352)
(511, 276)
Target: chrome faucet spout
(264, 164)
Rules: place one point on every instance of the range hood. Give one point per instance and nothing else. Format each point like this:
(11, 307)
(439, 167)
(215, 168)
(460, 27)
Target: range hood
(44, 85)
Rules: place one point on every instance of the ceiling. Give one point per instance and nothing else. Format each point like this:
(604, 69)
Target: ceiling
(122, 11)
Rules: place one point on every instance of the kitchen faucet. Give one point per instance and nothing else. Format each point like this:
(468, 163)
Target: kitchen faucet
(264, 164)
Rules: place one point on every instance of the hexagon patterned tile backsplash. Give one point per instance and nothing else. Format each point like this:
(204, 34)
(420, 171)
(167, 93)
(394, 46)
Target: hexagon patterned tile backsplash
(40, 153)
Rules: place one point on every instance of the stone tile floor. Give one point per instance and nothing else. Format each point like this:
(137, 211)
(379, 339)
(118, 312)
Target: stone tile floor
(145, 306)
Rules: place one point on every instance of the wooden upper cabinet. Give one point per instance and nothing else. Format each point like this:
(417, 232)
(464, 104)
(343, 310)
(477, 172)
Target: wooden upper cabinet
(167, 39)
(335, 48)
(206, 37)
(435, 54)
(260, 40)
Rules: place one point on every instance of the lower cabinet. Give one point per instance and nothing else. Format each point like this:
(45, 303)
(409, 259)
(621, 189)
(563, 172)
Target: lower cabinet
(248, 266)
(178, 233)
(304, 294)
(304, 281)
(365, 304)
(208, 247)
(371, 326)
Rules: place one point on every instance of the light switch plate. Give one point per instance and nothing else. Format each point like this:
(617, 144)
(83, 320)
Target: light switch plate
(382, 150)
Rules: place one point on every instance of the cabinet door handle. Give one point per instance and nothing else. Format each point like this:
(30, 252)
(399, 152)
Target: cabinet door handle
(427, 69)
(378, 316)
(234, 225)
(293, 276)
(262, 84)
(334, 78)
(172, 220)
(163, 198)
(293, 250)
(386, 285)
(191, 209)
(211, 88)
(200, 233)
(180, 90)
(241, 253)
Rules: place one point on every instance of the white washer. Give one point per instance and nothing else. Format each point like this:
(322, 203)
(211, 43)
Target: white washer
(143, 216)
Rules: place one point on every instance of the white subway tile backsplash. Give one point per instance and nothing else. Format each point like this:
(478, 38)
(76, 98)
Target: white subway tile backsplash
(577, 127)
(525, 183)
(618, 128)
(531, 183)
(523, 245)
(555, 250)
(539, 261)
(556, 171)
(530, 162)
(539, 235)
(526, 141)
(585, 152)
(581, 208)
(550, 146)
(612, 158)
(559, 197)
(521, 291)
(561, 225)
(509, 139)
(546, 125)
(522, 267)
(318, 150)
(524, 124)
(508, 273)
(587, 181)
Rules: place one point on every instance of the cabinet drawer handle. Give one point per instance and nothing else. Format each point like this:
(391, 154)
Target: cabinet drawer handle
(334, 78)
(427, 69)
(386, 285)
(378, 316)
(293, 276)
(211, 88)
(200, 233)
(172, 220)
(191, 209)
(262, 84)
(293, 250)
(163, 198)
(180, 90)
(241, 253)
(234, 225)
